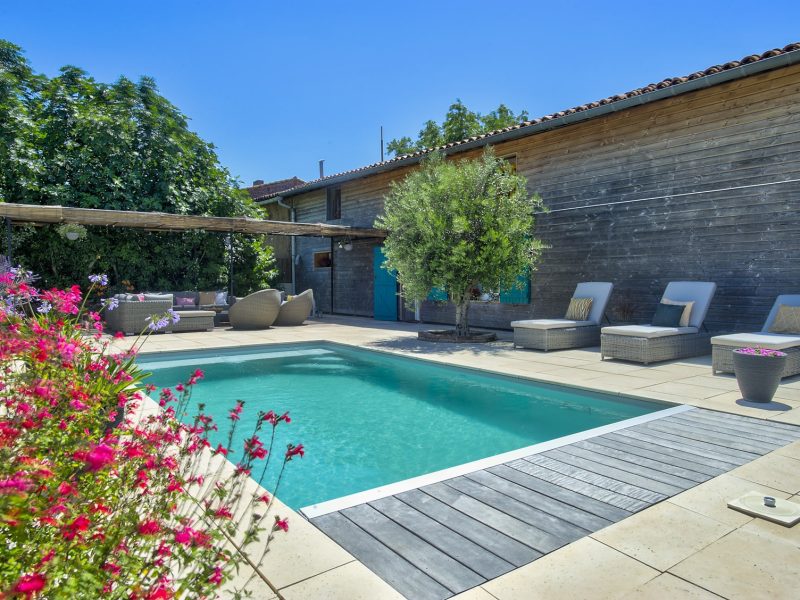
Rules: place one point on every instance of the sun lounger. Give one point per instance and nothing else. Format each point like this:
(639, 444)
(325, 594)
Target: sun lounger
(256, 311)
(559, 334)
(722, 346)
(654, 343)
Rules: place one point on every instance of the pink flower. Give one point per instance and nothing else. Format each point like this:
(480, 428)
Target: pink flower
(294, 451)
(99, 457)
(282, 524)
(30, 584)
(216, 576)
(150, 527)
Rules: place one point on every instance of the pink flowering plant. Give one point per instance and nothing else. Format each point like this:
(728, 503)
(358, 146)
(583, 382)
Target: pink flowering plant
(759, 351)
(103, 493)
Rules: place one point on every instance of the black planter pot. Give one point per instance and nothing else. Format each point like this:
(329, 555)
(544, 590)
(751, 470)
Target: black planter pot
(758, 376)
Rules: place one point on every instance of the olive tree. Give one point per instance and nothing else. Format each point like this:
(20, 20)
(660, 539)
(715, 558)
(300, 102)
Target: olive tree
(454, 225)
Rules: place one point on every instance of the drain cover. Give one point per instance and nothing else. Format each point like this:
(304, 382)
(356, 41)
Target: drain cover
(776, 510)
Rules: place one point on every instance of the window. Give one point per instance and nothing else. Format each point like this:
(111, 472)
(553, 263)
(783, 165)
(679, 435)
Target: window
(322, 260)
(334, 203)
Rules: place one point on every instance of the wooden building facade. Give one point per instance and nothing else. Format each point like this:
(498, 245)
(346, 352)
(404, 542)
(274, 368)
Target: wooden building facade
(696, 178)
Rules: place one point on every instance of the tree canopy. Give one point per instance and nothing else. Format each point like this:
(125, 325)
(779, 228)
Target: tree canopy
(72, 141)
(459, 123)
(454, 225)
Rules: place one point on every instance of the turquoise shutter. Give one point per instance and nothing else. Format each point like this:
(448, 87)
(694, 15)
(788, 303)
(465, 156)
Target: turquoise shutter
(437, 294)
(515, 295)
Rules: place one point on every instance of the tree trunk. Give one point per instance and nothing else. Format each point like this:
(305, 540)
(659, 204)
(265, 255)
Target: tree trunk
(462, 323)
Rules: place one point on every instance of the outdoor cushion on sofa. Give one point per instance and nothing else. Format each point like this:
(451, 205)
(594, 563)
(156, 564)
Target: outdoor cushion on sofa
(648, 331)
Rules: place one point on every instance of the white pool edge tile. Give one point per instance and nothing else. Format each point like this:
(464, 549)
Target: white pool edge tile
(329, 506)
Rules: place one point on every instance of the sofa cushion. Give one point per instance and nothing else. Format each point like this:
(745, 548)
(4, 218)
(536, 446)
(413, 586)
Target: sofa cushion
(221, 299)
(157, 297)
(550, 324)
(773, 341)
(207, 298)
(647, 331)
(578, 309)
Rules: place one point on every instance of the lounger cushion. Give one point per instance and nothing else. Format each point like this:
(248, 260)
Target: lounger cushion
(766, 340)
(578, 309)
(550, 324)
(787, 320)
(647, 331)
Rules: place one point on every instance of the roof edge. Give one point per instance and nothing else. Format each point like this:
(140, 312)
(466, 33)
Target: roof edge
(546, 123)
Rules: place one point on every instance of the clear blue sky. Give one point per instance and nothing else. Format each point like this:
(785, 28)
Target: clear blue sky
(276, 86)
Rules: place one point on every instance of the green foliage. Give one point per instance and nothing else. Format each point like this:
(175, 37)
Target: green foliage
(459, 123)
(458, 224)
(72, 141)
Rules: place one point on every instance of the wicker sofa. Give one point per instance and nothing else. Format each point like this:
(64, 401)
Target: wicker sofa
(133, 311)
(647, 343)
(559, 334)
(295, 310)
(722, 346)
(256, 311)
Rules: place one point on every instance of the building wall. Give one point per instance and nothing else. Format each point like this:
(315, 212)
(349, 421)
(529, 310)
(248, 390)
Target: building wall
(693, 187)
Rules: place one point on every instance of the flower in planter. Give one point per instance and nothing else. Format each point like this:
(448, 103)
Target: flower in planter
(759, 351)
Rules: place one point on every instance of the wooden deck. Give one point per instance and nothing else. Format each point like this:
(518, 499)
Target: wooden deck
(442, 539)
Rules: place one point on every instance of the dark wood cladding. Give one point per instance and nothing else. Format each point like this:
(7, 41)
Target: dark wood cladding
(701, 186)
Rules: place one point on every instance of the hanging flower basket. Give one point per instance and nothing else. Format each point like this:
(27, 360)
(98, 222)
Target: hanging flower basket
(758, 372)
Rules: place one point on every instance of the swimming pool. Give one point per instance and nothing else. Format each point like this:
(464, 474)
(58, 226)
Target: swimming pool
(367, 418)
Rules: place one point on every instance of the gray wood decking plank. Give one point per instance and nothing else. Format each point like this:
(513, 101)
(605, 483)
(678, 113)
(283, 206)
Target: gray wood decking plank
(746, 450)
(393, 569)
(579, 486)
(436, 564)
(757, 430)
(566, 512)
(724, 429)
(539, 540)
(682, 444)
(792, 429)
(615, 485)
(495, 542)
(658, 470)
(476, 558)
(737, 441)
(647, 453)
(561, 494)
(671, 449)
(644, 482)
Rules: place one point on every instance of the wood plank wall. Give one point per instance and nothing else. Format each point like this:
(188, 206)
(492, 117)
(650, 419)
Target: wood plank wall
(693, 169)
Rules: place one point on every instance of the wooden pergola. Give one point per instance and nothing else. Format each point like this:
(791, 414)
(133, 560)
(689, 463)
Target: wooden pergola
(156, 221)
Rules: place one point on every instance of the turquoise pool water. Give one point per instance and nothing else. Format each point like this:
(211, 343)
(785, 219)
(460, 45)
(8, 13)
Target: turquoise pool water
(368, 419)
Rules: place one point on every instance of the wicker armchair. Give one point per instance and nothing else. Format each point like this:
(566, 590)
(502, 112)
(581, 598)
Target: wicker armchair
(560, 334)
(296, 310)
(722, 346)
(256, 311)
(130, 317)
(647, 343)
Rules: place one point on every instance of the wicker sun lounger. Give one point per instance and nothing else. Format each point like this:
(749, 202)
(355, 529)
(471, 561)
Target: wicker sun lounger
(647, 343)
(559, 334)
(256, 311)
(295, 310)
(722, 346)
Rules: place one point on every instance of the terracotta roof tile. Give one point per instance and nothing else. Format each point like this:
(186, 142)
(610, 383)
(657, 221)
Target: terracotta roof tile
(666, 83)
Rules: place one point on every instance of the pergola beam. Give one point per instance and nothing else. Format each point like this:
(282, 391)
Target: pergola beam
(155, 221)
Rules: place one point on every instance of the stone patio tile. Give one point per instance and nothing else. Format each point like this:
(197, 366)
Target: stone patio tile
(718, 382)
(667, 586)
(617, 383)
(792, 450)
(745, 566)
(663, 535)
(792, 417)
(773, 470)
(732, 402)
(611, 366)
(247, 581)
(685, 390)
(567, 374)
(774, 531)
(476, 593)
(583, 570)
(711, 498)
(352, 581)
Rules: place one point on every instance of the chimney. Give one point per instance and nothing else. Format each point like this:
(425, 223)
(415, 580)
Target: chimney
(258, 182)
(321, 169)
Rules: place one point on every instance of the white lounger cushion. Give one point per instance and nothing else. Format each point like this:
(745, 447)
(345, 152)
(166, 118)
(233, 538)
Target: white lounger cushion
(647, 331)
(550, 324)
(773, 341)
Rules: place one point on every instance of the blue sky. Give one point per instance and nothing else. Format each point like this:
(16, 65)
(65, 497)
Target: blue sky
(276, 86)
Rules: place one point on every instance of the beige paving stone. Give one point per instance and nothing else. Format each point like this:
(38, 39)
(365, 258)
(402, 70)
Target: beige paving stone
(476, 593)
(774, 531)
(791, 450)
(720, 382)
(792, 417)
(773, 470)
(352, 581)
(662, 535)
(618, 383)
(666, 587)
(745, 566)
(711, 498)
(583, 570)
(678, 388)
(246, 580)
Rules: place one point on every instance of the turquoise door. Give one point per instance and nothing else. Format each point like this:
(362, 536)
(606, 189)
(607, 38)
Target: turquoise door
(384, 289)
